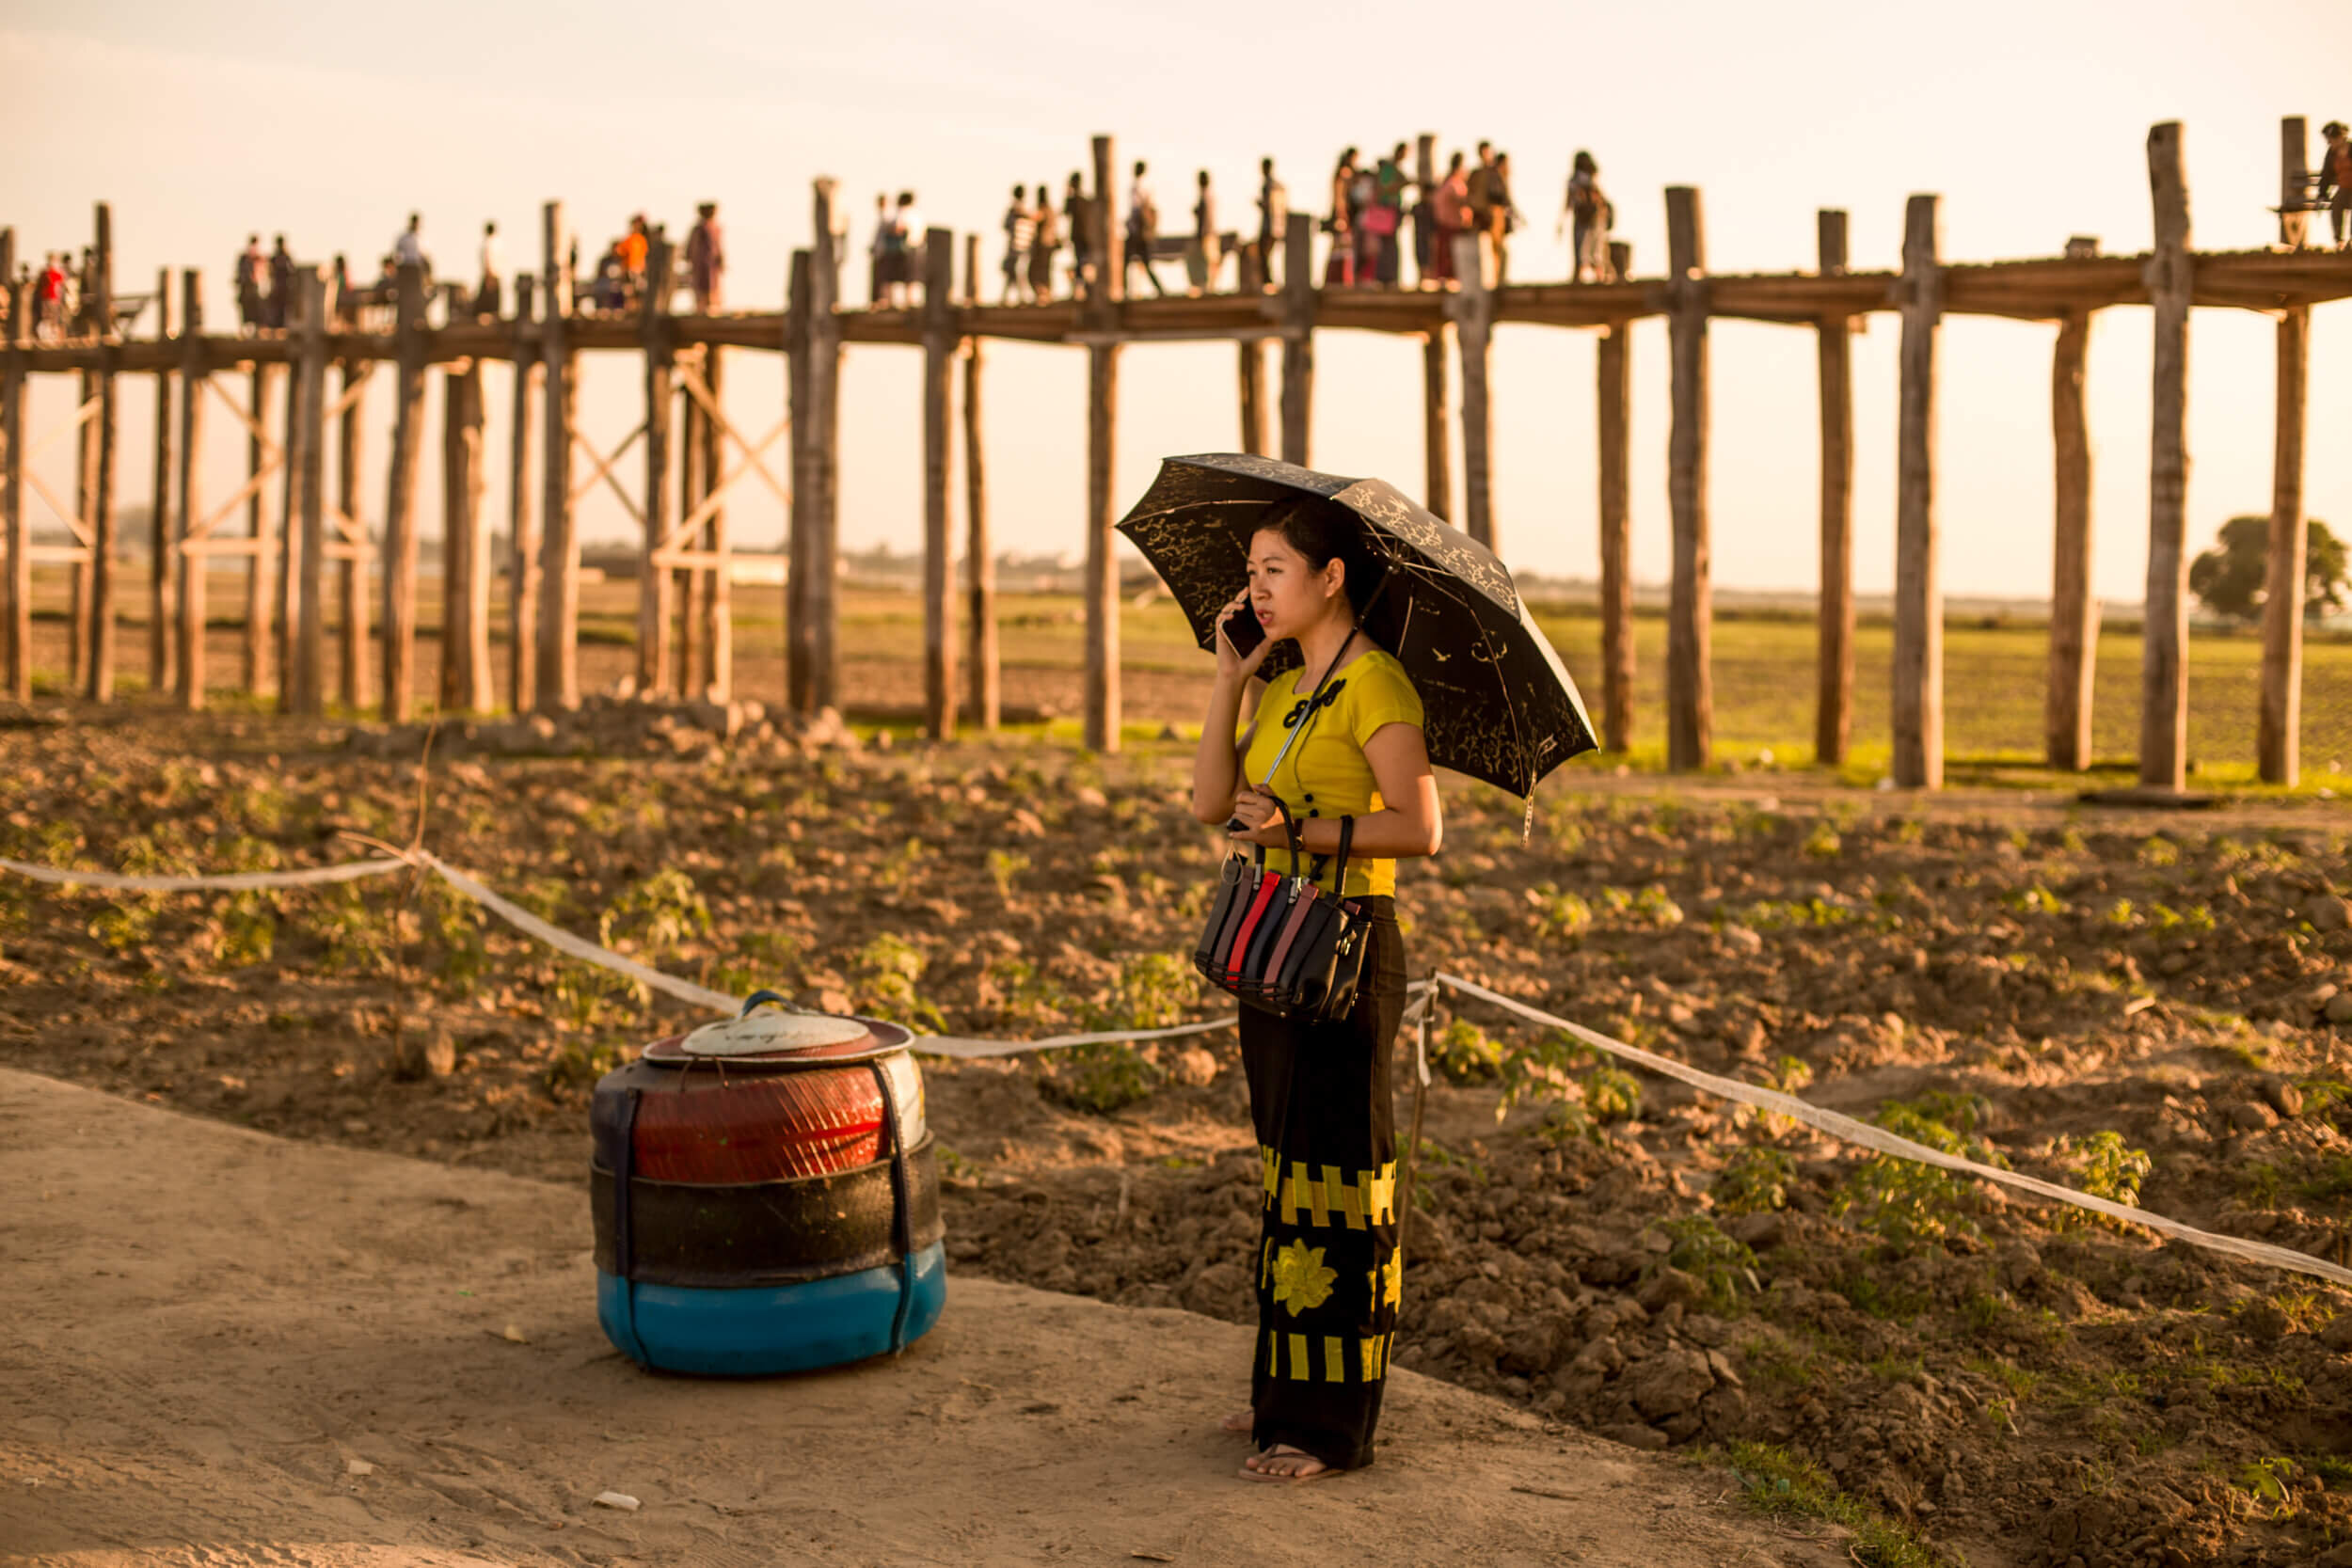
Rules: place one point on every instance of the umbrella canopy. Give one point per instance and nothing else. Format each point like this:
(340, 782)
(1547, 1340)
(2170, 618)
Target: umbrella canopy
(1499, 705)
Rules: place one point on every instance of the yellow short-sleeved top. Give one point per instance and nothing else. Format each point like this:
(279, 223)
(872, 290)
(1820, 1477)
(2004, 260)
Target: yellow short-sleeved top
(1326, 773)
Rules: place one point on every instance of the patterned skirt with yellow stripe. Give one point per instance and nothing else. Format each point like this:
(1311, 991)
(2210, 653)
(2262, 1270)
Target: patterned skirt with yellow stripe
(1329, 1274)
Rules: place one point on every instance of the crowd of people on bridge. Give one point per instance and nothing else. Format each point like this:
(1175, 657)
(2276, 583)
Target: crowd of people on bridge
(1376, 211)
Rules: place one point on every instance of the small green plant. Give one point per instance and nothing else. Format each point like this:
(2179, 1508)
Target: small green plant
(1908, 1204)
(1822, 843)
(1558, 914)
(758, 962)
(578, 1063)
(1755, 1181)
(1101, 1078)
(890, 966)
(1782, 1485)
(2159, 851)
(2121, 912)
(2104, 1166)
(2265, 1482)
(2037, 899)
(1004, 869)
(1465, 1053)
(1154, 990)
(1612, 1094)
(1716, 1260)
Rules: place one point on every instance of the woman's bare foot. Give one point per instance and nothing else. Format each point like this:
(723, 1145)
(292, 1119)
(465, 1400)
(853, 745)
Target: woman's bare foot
(1283, 1463)
(1241, 1423)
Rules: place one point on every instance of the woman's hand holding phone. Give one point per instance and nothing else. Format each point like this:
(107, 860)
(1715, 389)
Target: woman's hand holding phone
(1241, 641)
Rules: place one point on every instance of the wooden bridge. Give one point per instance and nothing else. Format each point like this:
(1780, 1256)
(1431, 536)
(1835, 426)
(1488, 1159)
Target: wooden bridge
(689, 455)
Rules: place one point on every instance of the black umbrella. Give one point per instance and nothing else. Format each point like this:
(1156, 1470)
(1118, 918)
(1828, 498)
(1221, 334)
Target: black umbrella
(1499, 705)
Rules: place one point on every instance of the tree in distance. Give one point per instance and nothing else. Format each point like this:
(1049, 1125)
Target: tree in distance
(2230, 577)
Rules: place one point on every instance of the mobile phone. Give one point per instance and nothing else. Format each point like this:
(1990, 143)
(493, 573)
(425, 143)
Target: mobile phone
(1245, 632)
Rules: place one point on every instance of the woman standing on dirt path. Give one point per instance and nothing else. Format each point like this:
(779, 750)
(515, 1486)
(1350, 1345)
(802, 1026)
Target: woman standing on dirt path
(1328, 1273)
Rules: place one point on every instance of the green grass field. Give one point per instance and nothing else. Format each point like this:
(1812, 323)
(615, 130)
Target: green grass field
(1763, 669)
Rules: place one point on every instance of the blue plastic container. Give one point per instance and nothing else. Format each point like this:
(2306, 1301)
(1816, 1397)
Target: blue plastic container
(753, 1332)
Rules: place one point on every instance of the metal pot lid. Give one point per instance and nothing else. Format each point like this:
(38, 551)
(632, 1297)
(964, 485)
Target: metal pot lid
(771, 1037)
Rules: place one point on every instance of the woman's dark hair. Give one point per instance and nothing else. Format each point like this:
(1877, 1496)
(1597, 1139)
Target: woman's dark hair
(1321, 532)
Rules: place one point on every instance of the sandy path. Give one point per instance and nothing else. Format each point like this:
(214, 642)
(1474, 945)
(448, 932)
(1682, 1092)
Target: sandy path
(205, 1326)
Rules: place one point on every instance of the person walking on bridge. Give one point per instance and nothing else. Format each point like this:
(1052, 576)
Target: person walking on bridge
(1044, 240)
(1019, 225)
(280, 282)
(489, 295)
(1274, 217)
(2335, 179)
(1143, 226)
(1588, 208)
(1207, 253)
(252, 296)
(707, 259)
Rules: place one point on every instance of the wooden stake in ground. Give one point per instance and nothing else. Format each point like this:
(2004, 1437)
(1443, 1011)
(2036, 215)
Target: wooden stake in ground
(399, 504)
(2164, 641)
(1833, 717)
(816, 630)
(558, 540)
(939, 349)
(16, 592)
(2278, 742)
(103, 544)
(1613, 398)
(979, 553)
(287, 585)
(1104, 716)
(522, 512)
(186, 543)
(1298, 337)
(161, 558)
(1473, 310)
(696, 438)
(1436, 426)
(1918, 707)
(1251, 369)
(1690, 612)
(465, 682)
(2073, 609)
(305, 518)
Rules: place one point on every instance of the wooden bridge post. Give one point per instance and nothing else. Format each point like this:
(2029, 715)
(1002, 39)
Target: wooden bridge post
(305, 684)
(2164, 646)
(16, 592)
(1615, 399)
(1474, 312)
(522, 516)
(352, 569)
(979, 551)
(193, 368)
(2294, 151)
(2073, 608)
(399, 504)
(558, 686)
(823, 587)
(1251, 369)
(801, 508)
(717, 598)
(696, 437)
(1917, 704)
(103, 545)
(1424, 216)
(656, 582)
(939, 349)
(466, 684)
(1833, 718)
(160, 554)
(1689, 675)
(286, 587)
(1437, 425)
(2278, 740)
(1103, 712)
(1298, 336)
(260, 581)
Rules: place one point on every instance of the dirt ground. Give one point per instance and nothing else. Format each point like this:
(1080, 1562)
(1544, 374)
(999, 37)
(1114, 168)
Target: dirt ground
(2128, 1002)
(228, 1348)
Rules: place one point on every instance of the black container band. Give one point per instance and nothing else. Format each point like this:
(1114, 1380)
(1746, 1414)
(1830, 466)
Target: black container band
(901, 1213)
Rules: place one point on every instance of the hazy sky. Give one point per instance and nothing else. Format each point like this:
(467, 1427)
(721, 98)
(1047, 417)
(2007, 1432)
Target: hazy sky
(200, 121)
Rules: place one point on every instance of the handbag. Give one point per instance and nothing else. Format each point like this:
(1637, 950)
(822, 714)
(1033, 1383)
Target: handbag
(1285, 944)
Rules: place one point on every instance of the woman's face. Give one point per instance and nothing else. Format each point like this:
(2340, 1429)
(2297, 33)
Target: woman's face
(1288, 595)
